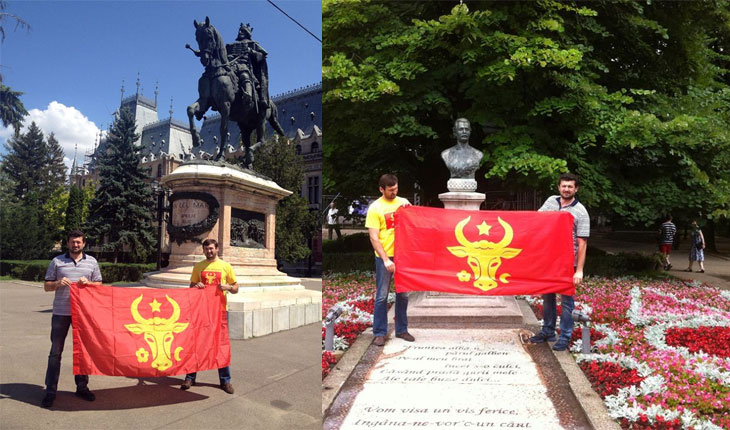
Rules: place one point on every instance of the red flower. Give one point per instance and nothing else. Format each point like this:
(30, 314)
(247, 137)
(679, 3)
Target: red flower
(711, 340)
(607, 378)
(328, 360)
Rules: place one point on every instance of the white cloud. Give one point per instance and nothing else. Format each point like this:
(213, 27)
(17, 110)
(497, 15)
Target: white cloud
(68, 124)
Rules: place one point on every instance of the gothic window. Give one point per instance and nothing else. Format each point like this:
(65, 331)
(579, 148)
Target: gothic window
(159, 170)
(315, 147)
(299, 149)
(313, 185)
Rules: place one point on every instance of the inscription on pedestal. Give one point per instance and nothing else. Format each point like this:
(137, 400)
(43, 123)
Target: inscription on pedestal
(189, 211)
(193, 213)
(457, 379)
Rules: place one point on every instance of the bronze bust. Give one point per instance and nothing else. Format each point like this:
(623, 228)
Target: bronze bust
(461, 159)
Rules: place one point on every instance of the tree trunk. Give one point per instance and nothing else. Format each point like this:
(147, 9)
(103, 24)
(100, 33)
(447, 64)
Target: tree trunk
(709, 233)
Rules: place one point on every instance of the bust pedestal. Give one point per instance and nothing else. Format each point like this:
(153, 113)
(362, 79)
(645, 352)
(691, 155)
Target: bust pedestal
(464, 200)
(268, 300)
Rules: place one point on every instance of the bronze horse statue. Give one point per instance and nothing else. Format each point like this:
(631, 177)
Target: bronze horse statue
(218, 89)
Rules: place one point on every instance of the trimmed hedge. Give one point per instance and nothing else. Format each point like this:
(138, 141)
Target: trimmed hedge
(358, 242)
(119, 272)
(345, 262)
(35, 270)
(599, 263)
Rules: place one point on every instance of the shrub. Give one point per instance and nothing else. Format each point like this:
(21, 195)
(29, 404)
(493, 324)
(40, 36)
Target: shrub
(348, 262)
(358, 242)
(621, 264)
(29, 270)
(112, 272)
(35, 270)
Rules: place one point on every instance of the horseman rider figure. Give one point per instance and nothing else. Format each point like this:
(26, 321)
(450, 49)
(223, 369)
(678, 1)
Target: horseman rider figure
(248, 61)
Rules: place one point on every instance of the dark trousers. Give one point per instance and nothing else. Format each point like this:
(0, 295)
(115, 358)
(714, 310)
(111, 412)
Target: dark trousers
(336, 228)
(59, 330)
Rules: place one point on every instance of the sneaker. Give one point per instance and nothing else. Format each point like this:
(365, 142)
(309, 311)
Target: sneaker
(47, 401)
(561, 345)
(669, 266)
(187, 384)
(85, 394)
(406, 336)
(542, 337)
(227, 387)
(379, 341)
(701, 271)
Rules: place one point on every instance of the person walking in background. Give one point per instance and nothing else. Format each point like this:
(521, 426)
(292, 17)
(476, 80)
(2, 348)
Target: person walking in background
(697, 248)
(666, 239)
(332, 223)
(381, 229)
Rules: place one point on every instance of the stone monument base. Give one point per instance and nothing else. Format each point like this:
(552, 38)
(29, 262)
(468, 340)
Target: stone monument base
(462, 200)
(428, 308)
(224, 196)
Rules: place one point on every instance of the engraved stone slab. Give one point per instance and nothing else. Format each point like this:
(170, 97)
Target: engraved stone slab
(456, 379)
(189, 212)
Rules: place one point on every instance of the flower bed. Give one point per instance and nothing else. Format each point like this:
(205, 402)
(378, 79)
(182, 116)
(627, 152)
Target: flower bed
(660, 351)
(354, 294)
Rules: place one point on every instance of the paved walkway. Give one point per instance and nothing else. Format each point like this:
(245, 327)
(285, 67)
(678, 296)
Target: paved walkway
(717, 266)
(277, 380)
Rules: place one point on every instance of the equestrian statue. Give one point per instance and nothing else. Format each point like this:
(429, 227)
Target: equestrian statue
(236, 84)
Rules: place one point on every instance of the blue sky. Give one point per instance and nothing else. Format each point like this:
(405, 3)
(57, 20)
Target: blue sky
(71, 64)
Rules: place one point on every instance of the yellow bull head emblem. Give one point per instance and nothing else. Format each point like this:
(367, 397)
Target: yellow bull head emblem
(483, 257)
(158, 333)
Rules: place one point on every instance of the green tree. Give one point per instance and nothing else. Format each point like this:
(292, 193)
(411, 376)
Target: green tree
(22, 235)
(33, 193)
(74, 209)
(25, 161)
(55, 168)
(629, 95)
(12, 110)
(295, 225)
(121, 213)
(54, 215)
(6, 16)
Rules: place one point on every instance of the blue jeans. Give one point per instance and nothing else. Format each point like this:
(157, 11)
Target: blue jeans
(224, 374)
(550, 315)
(380, 311)
(59, 330)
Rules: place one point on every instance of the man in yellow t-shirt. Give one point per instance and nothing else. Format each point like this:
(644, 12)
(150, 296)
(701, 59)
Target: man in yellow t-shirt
(211, 272)
(381, 228)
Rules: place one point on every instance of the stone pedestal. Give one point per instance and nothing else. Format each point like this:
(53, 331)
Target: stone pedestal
(464, 200)
(202, 189)
(427, 308)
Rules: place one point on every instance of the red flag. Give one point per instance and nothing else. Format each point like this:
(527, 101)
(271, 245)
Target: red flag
(495, 253)
(147, 332)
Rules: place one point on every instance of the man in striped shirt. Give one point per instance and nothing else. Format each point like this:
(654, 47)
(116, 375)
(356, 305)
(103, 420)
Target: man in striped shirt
(666, 239)
(81, 268)
(566, 201)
